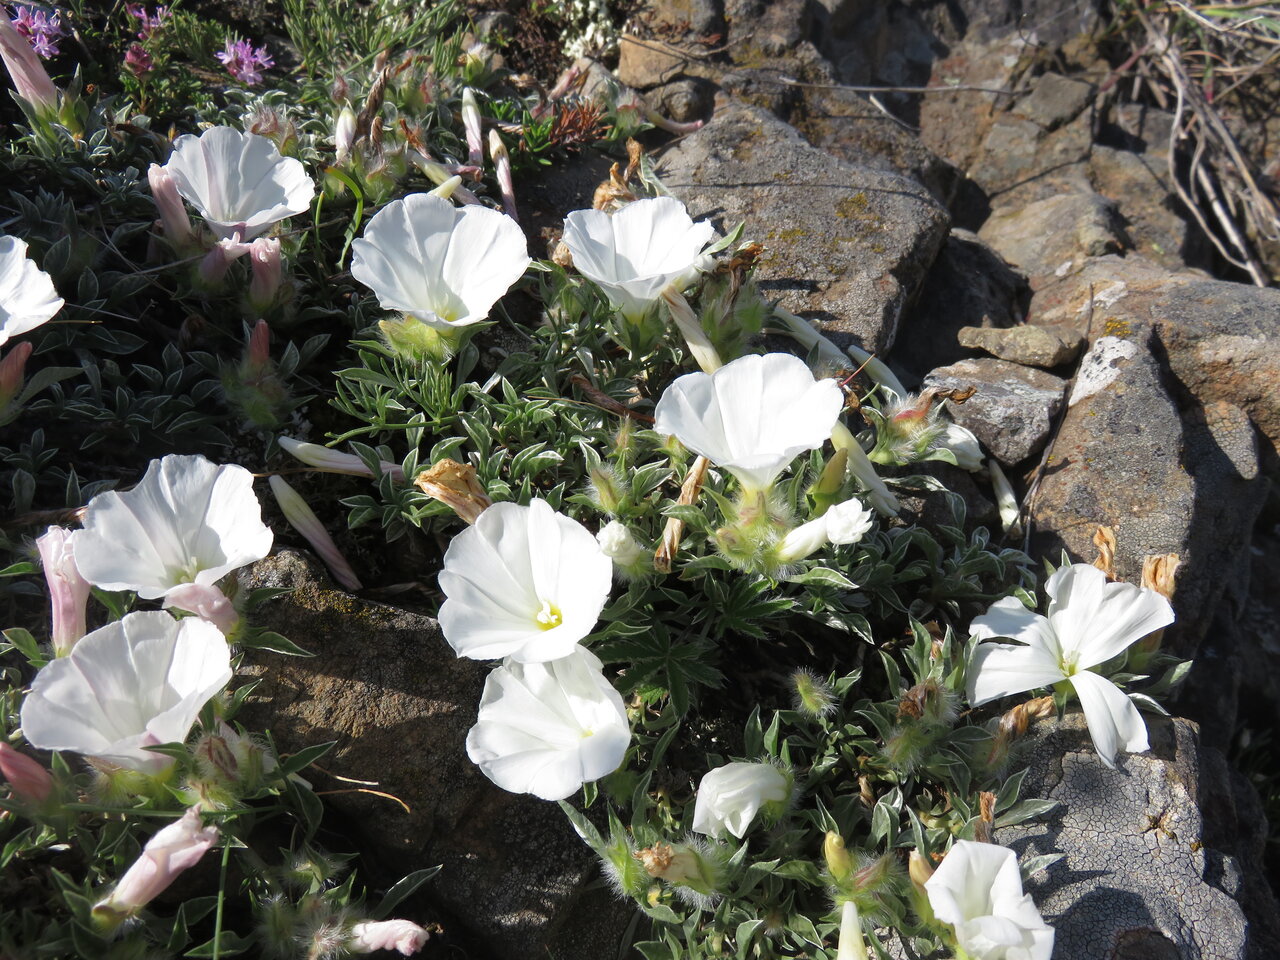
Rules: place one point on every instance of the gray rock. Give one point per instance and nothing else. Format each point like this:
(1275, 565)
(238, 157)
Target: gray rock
(1053, 237)
(844, 243)
(1168, 473)
(1054, 100)
(969, 285)
(1013, 410)
(1163, 855)
(1139, 185)
(385, 685)
(1019, 162)
(1028, 345)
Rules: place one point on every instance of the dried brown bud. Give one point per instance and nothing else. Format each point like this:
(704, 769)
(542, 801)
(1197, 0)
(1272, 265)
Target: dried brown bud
(457, 486)
(1105, 540)
(1159, 571)
(665, 862)
(561, 256)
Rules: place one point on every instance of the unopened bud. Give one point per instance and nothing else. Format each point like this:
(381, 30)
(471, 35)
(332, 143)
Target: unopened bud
(68, 591)
(303, 519)
(812, 695)
(214, 266)
(607, 488)
(328, 460)
(629, 558)
(173, 215)
(839, 863)
(264, 255)
(471, 125)
(344, 134)
(215, 757)
(28, 780)
(208, 603)
(13, 376)
(457, 486)
(852, 945)
(502, 167)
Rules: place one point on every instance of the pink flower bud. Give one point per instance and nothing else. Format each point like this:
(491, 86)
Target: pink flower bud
(13, 373)
(172, 850)
(173, 215)
(28, 74)
(207, 602)
(303, 519)
(344, 134)
(401, 935)
(68, 591)
(471, 124)
(264, 255)
(213, 268)
(257, 353)
(502, 163)
(28, 780)
(328, 460)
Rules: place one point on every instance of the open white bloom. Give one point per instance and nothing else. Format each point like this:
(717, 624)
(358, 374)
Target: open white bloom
(729, 797)
(1089, 621)
(752, 416)
(633, 254)
(978, 890)
(187, 521)
(238, 182)
(523, 582)
(27, 296)
(548, 728)
(134, 683)
(443, 264)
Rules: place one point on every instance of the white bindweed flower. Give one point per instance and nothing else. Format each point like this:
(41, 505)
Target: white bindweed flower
(135, 683)
(187, 521)
(523, 582)
(1089, 621)
(729, 797)
(634, 254)
(239, 182)
(27, 296)
(752, 416)
(964, 446)
(978, 890)
(443, 264)
(548, 728)
(403, 936)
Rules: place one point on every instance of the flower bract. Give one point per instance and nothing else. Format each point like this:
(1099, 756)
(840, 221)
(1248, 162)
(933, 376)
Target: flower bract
(978, 890)
(238, 182)
(134, 683)
(548, 728)
(445, 265)
(187, 521)
(523, 582)
(634, 254)
(729, 797)
(27, 296)
(1089, 621)
(752, 416)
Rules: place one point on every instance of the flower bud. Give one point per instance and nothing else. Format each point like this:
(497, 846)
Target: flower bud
(344, 134)
(502, 167)
(328, 460)
(253, 387)
(690, 867)
(629, 558)
(879, 495)
(730, 797)
(919, 870)
(208, 603)
(471, 124)
(963, 445)
(213, 268)
(172, 850)
(399, 935)
(828, 486)
(13, 376)
(303, 519)
(457, 486)
(813, 696)
(25, 69)
(700, 346)
(264, 256)
(28, 780)
(839, 863)
(852, 945)
(68, 591)
(1006, 501)
(607, 488)
(173, 215)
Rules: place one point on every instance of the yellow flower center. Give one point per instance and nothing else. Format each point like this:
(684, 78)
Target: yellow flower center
(548, 616)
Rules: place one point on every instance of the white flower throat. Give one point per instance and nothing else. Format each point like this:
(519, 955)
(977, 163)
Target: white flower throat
(548, 616)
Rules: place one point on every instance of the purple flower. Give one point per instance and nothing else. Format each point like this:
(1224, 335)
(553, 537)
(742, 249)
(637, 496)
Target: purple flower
(147, 23)
(40, 29)
(137, 61)
(244, 62)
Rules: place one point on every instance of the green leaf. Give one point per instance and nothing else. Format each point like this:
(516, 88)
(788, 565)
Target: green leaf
(823, 577)
(1025, 810)
(304, 758)
(275, 643)
(403, 888)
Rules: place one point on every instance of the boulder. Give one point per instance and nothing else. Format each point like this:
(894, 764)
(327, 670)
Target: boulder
(1163, 854)
(1053, 237)
(1028, 345)
(386, 686)
(1013, 409)
(844, 243)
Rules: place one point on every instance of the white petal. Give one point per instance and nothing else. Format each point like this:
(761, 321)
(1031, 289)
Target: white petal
(547, 728)
(1002, 669)
(1098, 620)
(960, 888)
(1009, 618)
(141, 680)
(1114, 722)
(27, 295)
(487, 255)
(238, 182)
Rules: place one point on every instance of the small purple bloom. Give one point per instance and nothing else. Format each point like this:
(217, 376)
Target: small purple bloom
(147, 23)
(40, 29)
(244, 62)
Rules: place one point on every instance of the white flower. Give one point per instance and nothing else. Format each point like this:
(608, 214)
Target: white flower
(443, 264)
(27, 296)
(403, 936)
(963, 445)
(845, 522)
(137, 682)
(187, 521)
(548, 728)
(620, 545)
(978, 890)
(752, 416)
(729, 797)
(633, 254)
(1089, 621)
(238, 182)
(524, 582)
